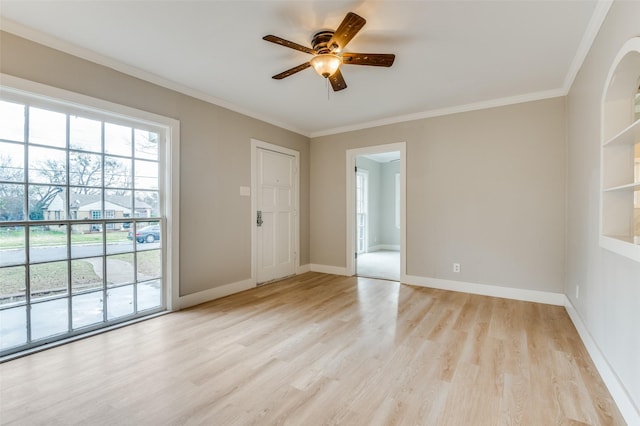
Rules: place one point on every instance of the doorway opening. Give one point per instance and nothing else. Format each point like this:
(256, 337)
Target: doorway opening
(376, 212)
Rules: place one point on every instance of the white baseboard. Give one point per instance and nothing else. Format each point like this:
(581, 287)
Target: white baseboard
(609, 377)
(379, 247)
(302, 269)
(327, 269)
(488, 290)
(226, 290)
(214, 293)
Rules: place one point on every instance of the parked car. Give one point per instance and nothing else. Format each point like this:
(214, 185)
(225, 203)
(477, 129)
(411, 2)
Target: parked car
(148, 234)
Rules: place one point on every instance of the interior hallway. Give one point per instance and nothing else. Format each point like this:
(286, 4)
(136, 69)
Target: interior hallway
(383, 264)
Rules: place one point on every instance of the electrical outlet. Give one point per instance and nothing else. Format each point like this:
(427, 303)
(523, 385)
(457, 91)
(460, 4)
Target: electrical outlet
(577, 292)
(456, 267)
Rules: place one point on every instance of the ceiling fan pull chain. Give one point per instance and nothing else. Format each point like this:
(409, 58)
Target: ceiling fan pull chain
(326, 83)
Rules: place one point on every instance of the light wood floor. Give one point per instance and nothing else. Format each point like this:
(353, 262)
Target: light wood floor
(321, 349)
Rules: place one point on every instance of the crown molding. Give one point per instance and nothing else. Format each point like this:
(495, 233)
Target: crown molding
(529, 97)
(589, 36)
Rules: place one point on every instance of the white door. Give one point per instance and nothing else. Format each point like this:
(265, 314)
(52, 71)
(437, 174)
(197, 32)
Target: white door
(275, 219)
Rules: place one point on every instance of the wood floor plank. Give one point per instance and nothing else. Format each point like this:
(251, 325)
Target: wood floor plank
(320, 349)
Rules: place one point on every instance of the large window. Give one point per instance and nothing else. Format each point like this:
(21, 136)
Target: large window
(82, 220)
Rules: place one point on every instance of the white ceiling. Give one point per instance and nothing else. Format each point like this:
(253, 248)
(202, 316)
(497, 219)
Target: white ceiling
(450, 55)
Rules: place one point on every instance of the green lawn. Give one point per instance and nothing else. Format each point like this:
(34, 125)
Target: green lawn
(50, 278)
(47, 277)
(10, 239)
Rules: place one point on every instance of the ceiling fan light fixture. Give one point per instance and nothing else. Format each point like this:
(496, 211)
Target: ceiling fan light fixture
(328, 52)
(326, 64)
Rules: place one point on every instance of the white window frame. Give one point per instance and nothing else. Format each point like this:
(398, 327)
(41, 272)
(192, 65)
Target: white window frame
(170, 184)
(397, 200)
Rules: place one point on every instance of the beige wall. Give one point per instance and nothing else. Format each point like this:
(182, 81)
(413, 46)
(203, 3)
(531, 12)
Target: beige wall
(390, 234)
(609, 302)
(485, 189)
(215, 160)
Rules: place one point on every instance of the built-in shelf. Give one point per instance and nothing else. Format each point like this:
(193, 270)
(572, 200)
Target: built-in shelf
(624, 238)
(631, 186)
(621, 245)
(628, 136)
(620, 220)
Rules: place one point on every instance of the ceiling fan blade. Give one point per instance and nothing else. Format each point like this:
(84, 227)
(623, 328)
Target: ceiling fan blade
(337, 81)
(291, 71)
(349, 27)
(289, 44)
(373, 59)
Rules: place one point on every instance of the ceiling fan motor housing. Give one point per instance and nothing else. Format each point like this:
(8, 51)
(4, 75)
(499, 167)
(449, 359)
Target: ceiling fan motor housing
(320, 42)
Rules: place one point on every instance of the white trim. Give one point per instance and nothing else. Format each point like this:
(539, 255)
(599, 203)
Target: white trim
(621, 247)
(255, 144)
(171, 183)
(172, 190)
(215, 293)
(328, 269)
(493, 103)
(87, 103)
(622, 399)
(351, 155)
(536, 296)
(303, 269)
(89, 55)
(595, 23)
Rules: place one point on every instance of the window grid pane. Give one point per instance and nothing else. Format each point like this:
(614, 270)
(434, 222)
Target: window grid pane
(12, 121)
(71, 200)
(11, 162)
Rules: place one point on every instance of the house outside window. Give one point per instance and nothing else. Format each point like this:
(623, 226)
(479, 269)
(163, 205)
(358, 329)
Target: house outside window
(110, 214)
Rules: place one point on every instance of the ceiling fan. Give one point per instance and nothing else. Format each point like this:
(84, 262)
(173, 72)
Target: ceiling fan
(328, 52)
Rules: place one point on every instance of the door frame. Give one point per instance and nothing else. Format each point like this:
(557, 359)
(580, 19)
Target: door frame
(352, 154)
(255, 145)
